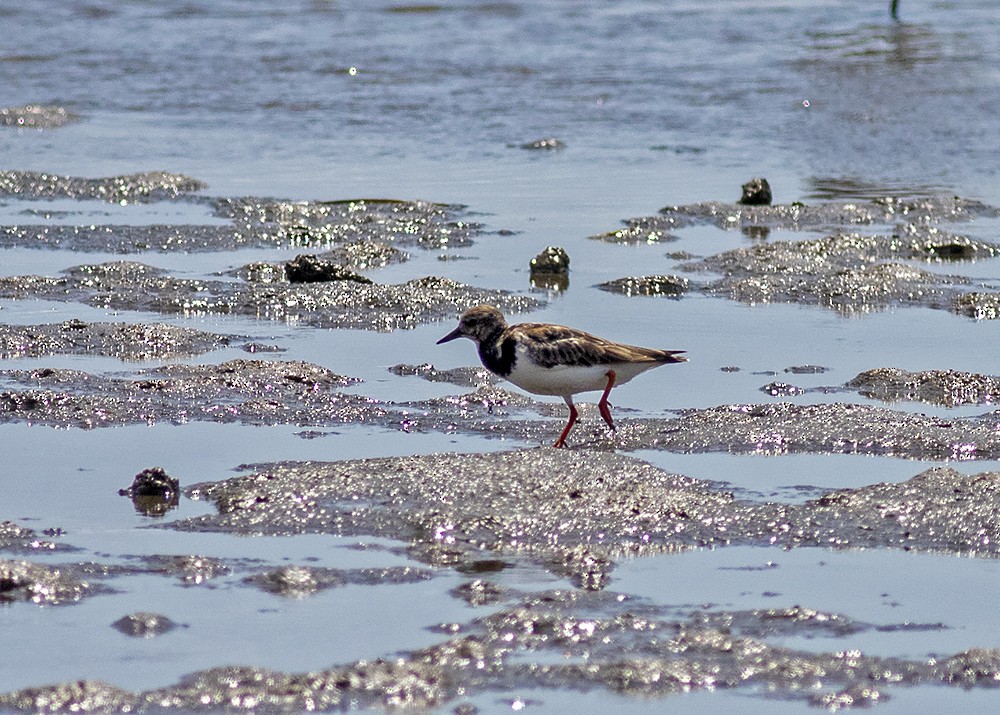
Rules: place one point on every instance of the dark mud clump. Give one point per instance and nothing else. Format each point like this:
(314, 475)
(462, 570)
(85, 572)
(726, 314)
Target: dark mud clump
(358, 256)
(131, 188)
(756, 192)
(125, 341)
(668, 286)
(34, 116)
(153, 492)
(549, 270)
(341, 304)
(553, 259)
(940, 387)
(306, 268)
(575, 513)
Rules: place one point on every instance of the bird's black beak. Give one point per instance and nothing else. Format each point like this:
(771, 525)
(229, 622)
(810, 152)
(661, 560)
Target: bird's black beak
(453, 335)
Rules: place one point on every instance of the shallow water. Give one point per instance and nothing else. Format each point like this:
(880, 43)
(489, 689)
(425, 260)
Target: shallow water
(657, 105)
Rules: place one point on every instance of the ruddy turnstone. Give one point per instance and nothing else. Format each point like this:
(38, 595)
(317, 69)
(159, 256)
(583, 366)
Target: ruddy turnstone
(554, 360)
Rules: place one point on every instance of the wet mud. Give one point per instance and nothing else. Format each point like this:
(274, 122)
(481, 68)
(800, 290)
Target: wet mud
(950, 388)
(34, 116)
(143, 186)
(552, 640)
(847, 270)
(271, 392)
(575, 514)
(416, 224)
(143, 624)
(669, 286)
(249, 221)
(850, 273)
(125, 341)
(20, 539)
(129, 285)
(798, 216)
(41, 584)
(267, 392)
(303, 581)
(238, 391)
(362, 235)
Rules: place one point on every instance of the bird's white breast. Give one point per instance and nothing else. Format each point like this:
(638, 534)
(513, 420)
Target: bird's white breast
(566, 380)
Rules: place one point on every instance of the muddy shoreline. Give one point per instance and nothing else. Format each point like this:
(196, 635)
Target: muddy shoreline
(576, 513)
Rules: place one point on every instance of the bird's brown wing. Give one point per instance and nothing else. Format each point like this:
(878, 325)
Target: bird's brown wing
(558, 345)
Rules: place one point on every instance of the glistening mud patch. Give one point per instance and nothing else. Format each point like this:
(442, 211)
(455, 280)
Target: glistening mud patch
(846, 270)
(126, 341)
(577, 512)
(338, 304)
(272, 392)
(554, 640)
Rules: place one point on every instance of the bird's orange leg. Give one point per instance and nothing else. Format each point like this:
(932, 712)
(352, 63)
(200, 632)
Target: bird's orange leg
(603, 405)
(561, 442)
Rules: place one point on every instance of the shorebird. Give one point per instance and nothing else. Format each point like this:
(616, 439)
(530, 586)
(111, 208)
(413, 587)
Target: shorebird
(550, 359)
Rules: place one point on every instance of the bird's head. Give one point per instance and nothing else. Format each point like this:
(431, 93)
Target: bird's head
(477, 324)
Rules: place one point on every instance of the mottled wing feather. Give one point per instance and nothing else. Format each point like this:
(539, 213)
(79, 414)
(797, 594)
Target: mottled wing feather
(554, 345)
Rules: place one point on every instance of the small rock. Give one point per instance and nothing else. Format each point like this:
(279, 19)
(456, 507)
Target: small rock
(153, 492)
(550, 270)
(756, 192)
(547, 144)
(553, 259)
(143, 624)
